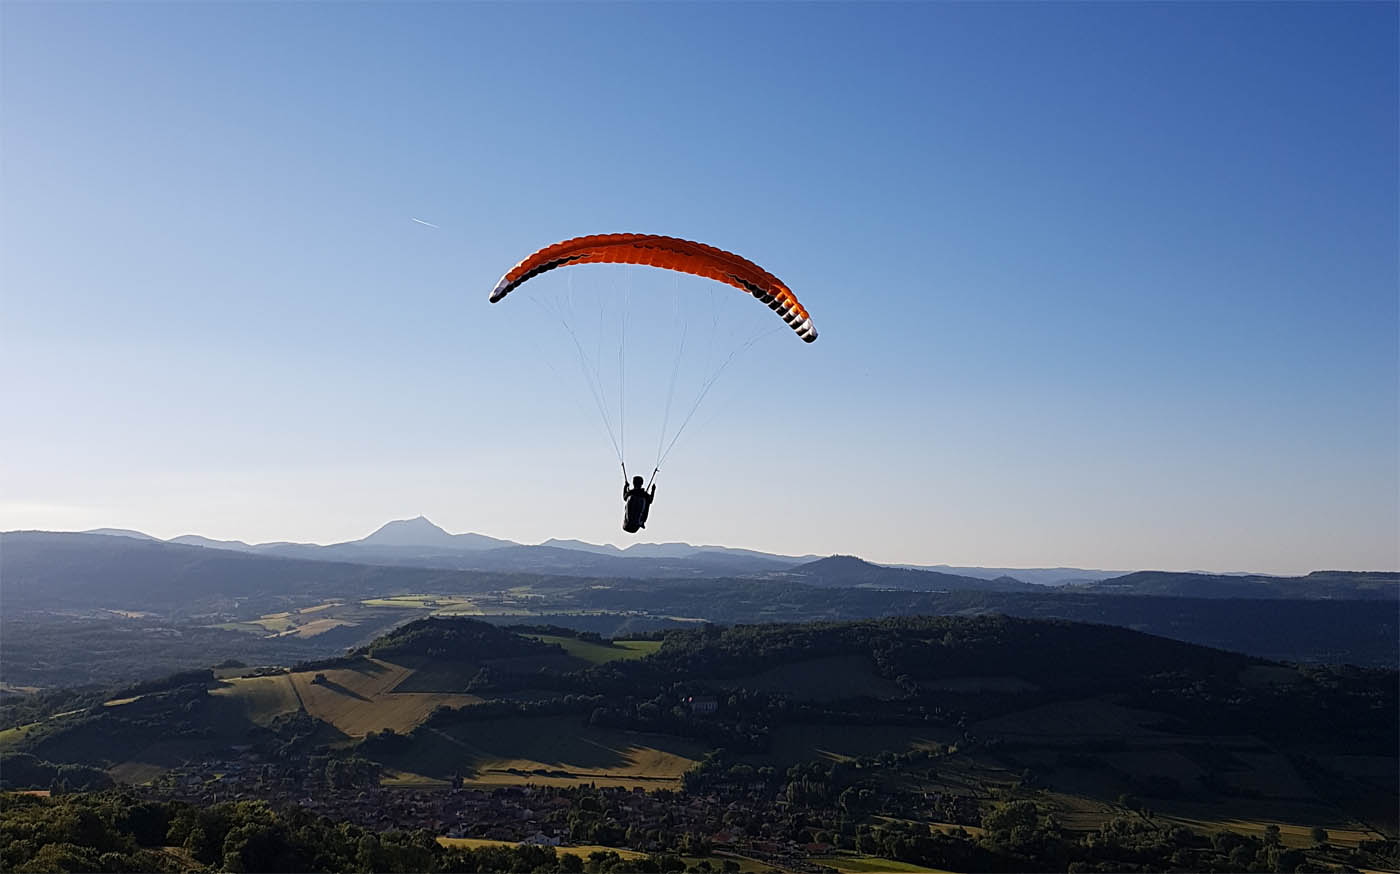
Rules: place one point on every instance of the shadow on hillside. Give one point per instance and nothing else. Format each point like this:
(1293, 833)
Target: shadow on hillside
(337, 688)
(366, 667)
(554, 744)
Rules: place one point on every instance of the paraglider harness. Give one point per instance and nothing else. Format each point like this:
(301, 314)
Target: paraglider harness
(638, 499)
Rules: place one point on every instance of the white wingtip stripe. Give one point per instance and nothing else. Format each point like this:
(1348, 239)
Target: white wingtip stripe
(500, 290)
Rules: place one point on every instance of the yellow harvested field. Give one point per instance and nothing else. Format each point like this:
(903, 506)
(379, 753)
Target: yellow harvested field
(440, 603)
(393, 779)
(273, 622)
(361, 698)
(315, 627)
(260, 699)
(356, 699)
(320, 607)
(1292, 834)
(857, 864)
(549, 750)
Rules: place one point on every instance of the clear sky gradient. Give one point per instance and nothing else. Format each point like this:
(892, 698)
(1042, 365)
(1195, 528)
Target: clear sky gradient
(1097, 285)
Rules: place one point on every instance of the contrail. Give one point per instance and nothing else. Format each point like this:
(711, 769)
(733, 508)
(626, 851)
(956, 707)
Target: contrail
(421, 222)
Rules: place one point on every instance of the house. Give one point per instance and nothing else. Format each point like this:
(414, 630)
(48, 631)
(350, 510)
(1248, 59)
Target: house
(702, 706)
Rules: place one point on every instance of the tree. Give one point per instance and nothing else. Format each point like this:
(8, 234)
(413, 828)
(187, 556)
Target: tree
(1319, 836)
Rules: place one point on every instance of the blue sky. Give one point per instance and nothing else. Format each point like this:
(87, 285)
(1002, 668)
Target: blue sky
(1097, 285)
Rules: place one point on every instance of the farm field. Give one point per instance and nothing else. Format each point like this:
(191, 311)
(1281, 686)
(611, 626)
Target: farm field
(259, 699)
(11, 736)
(1295, 821)
(597, 654)
(358, 699)
(304, 622)
(549, 750)
(439, 603)
(857, 864)
(363, 698)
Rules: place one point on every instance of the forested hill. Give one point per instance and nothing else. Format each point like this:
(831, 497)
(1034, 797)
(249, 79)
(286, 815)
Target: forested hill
(1049, 654)
(1350, 585)
(985, 665)
(455, 640)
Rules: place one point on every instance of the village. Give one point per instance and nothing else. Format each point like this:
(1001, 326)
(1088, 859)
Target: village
(744, 821)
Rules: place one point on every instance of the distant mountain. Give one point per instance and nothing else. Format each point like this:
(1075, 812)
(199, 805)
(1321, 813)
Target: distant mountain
(417, 542)
(69, 571)
(1351, 585)
(121, 532)
(581, 546)
(1043, 576)
(197, 540)
(418, 531)
(846, 571)
(77, 574)
(546, 559)
(675, 550)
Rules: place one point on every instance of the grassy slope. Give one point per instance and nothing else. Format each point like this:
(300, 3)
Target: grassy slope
(597, 654)
(567, 752)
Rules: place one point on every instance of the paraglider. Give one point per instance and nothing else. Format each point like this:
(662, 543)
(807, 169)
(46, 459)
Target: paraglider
(667, 253)
(637, 501)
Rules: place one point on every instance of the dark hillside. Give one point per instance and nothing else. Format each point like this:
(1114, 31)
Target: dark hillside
(1355, 585)
(47, 571)
(1326, 631)
(847, 571)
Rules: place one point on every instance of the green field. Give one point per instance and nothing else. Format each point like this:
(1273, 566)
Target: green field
(12, 736)
(597, 654)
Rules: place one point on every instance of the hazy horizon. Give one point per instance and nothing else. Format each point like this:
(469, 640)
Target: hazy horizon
(642, 541)
(1098, 286)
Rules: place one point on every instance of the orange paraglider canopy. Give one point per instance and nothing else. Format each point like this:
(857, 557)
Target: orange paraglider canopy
(668, 253)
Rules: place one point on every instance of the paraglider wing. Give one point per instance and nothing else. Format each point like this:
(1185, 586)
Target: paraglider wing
(668, 253)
